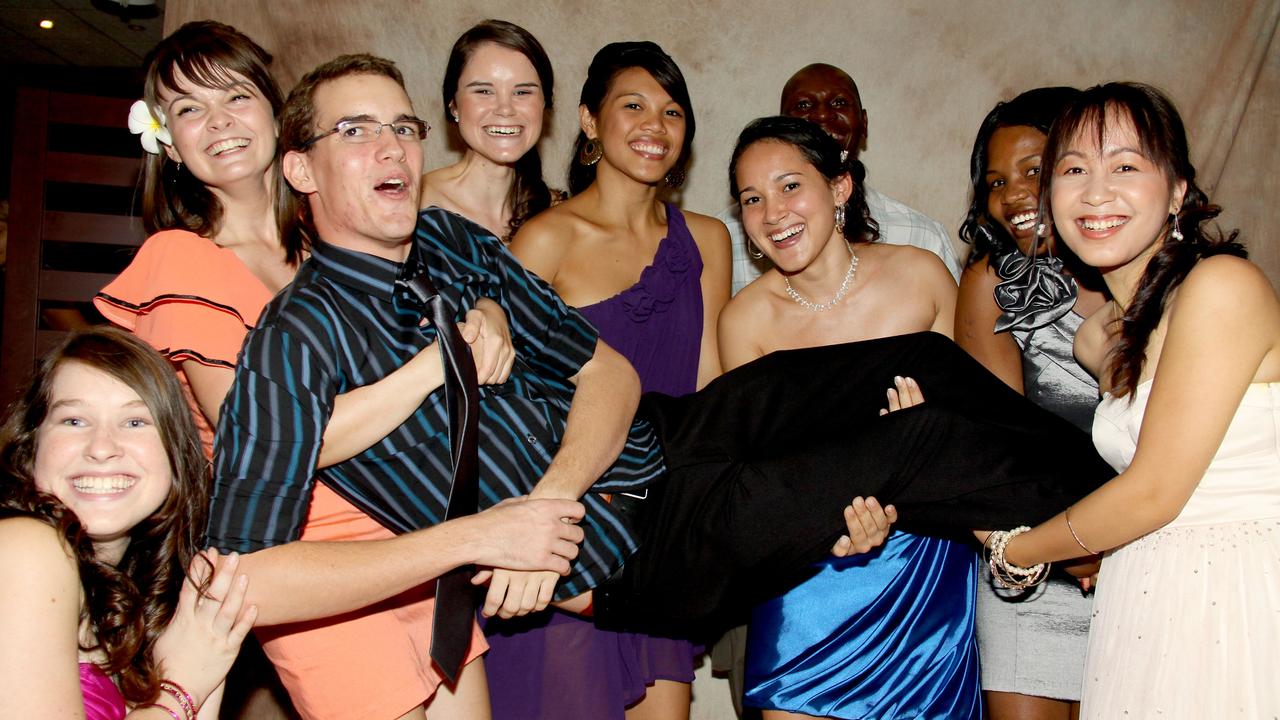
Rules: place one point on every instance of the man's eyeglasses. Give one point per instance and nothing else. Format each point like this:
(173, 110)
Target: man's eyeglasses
(356, 132)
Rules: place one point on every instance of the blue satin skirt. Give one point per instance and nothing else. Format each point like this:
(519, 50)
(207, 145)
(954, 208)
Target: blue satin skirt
(888, 634)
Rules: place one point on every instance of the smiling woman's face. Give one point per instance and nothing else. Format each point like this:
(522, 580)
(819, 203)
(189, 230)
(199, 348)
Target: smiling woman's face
(499, 104)
(1013, 181)
(99, 452)
(1110, 202)
(221, 135)
(640, 128)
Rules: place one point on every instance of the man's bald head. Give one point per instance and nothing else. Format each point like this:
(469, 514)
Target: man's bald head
(826, 95)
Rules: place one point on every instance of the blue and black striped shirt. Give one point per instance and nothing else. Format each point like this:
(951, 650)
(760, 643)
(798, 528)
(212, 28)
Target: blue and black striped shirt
(344, 323)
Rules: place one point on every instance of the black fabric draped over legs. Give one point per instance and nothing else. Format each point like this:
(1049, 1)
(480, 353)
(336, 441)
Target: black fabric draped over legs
(764, 459)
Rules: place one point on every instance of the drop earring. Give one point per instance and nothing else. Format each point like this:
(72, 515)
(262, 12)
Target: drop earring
(591, 152)
(1176, 232)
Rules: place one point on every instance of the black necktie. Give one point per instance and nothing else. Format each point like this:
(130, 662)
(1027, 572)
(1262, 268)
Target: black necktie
(455, 599)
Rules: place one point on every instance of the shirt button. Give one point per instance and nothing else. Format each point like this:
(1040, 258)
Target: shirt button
(532, 440)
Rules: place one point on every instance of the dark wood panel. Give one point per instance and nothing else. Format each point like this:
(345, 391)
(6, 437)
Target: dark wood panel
(26, 210)
(87, 110)
(71, 286)
(92, 169)
(93, 228)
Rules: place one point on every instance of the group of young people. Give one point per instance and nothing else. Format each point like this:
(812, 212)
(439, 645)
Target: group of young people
(655, 460)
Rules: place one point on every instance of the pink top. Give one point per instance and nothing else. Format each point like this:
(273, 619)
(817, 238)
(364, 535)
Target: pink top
(102, 699)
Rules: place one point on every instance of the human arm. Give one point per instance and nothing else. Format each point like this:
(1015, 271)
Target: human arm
(39, 621)
(1223, 329)
(40, 624)
(713, 245)
(976, 315)
(365, 415)
(307, 580)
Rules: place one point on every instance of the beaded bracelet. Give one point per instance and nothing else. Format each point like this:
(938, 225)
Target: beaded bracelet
(1005, 574)
(165, 708)
(185, 701)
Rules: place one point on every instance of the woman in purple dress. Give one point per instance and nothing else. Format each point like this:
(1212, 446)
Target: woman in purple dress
(652, 280)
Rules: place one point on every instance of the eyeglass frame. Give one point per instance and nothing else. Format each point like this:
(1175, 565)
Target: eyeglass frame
(424, 128)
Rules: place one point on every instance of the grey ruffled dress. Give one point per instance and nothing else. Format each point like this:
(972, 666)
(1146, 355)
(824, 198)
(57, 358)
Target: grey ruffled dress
(1034, 643)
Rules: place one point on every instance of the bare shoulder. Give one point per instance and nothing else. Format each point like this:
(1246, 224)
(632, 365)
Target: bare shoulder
(31, 550)
(741, 321)
(542, 243)
(705, 226)
(1227, 282)
(433, 187)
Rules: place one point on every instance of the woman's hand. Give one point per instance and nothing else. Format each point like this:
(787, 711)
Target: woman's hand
(487, 332)
(204, 637)
(905, 393)
(1085, 570)
(868, 526)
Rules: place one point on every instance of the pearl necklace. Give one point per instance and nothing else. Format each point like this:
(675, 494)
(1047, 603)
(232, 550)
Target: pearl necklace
(844, 287)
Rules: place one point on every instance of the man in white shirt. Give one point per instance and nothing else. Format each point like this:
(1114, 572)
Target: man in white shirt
(827, 96)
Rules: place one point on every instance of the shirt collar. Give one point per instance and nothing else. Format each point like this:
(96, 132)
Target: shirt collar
(368, 274)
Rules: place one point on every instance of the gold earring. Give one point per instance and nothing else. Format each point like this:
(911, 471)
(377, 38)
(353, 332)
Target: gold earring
(591, 152)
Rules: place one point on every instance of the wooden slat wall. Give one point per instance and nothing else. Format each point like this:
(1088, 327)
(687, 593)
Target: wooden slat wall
(27, 283)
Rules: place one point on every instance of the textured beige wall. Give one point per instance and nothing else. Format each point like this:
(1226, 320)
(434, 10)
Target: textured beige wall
(928, 73)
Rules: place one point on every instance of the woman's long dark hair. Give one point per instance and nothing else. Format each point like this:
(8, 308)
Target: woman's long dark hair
(611, 61)
(205, 53)
(128, 605)
(1162, 139)
(529, 194)
(1037, 109)
(823, 153)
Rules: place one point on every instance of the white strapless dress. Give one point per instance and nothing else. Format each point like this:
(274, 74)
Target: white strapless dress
(1186, 622)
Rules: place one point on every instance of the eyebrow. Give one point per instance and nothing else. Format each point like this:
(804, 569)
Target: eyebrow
(369, 118)
(76, 402)
(233, 86)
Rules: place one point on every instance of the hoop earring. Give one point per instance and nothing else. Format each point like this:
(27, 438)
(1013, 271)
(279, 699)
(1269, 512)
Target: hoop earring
(674, 178)
(590, 153)
(1176, 233)
(753, 251)
(840, 219)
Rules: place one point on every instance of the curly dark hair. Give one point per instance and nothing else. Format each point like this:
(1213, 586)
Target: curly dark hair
(205, 53)
(529, 194)
(824, 153)
(1037, 109)
(1162, 139)
(129, 604)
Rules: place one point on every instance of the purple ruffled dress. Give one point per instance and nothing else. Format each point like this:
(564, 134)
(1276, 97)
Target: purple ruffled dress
(555, 665)
(102, 699)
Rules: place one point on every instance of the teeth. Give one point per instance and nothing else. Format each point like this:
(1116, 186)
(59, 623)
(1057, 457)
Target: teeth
(1103, 224)
(393, 184)
(650, 148)
(788, 233)
(1023, 221)
(504, 130)
(224, 145)
(103, 484)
